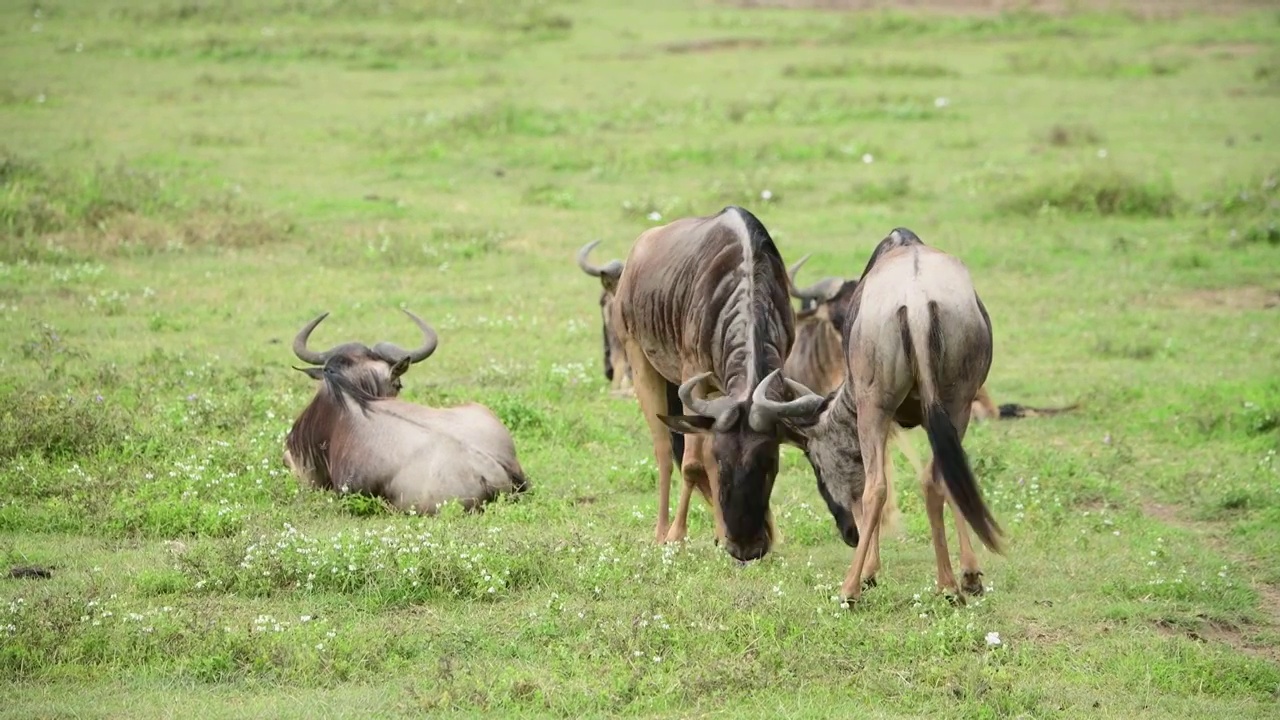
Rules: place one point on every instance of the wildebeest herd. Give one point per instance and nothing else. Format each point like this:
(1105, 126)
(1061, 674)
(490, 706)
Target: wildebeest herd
(698, 323)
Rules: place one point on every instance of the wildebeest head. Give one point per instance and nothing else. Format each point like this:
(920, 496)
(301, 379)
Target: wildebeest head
(608, 274)
(370, 372)
(826, 300)
(746, 436)
(818, 426)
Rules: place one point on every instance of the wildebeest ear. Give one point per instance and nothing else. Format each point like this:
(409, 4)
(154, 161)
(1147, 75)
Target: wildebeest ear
(792, 435)
(688, 424)
(400, 366)
(315, 373)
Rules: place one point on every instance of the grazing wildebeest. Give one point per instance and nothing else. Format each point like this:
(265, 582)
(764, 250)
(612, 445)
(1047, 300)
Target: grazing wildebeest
(919, 347)
(358, 436)
(704, 300)
(616, 368)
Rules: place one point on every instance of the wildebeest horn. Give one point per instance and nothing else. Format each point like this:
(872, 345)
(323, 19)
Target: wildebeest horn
(300, 343)
(791, 274)
(702, 406)
(821, 291)
(613, 268)
(764, 411)
(429, 342)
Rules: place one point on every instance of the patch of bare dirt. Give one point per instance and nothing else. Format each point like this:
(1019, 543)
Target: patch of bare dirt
(1142, 8)
(1247, 297)
(712, 45)
(1268, 595)
(1225, 634)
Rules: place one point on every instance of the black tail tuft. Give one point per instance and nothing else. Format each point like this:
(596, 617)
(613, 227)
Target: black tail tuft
(953, 465)
(675, 407)
(608, 359)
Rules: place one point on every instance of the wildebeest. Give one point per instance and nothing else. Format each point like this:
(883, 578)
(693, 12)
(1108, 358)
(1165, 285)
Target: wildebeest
(918, 348)
(616, 368)
(358, 436)
(704, 300)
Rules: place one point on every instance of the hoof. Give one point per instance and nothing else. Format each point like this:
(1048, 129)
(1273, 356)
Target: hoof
(971, 583)
(868, 583)
(675, 534)
(954, 597)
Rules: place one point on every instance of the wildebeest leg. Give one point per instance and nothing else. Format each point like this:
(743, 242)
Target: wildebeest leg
(935, 496)
(873, 437)
(651, 391)
(694, 473)
(970, 574)
(982, 407)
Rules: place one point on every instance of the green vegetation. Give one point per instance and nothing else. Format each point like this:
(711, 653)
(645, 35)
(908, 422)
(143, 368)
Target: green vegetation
(184, 183)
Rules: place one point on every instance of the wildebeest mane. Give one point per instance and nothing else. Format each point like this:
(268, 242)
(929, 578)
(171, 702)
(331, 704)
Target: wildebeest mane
(311, 436)
(722, 283)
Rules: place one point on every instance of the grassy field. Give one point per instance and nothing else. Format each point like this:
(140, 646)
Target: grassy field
(183, 184)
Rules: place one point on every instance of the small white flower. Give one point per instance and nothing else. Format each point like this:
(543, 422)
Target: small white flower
(655, 216)
(766, 195)
(1102, 152)
(868, 158)
(941, 102)
(993, 639)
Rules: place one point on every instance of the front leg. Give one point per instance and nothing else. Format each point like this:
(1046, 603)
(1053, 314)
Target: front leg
(651, 391)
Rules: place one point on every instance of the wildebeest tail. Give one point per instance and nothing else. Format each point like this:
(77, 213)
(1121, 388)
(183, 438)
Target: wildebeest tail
(949, 457)
(1014, 410)
(675, 407)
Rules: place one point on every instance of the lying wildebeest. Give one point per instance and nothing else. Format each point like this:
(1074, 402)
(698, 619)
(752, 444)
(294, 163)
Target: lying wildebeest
(616, 368)
(358, 436)
(704, 300)
(817, 360)
(919, 347)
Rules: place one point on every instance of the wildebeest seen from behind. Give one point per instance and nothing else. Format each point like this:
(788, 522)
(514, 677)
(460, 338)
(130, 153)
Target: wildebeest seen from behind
(703, 300)
(357, 435)
(616, 368)
(918, 347)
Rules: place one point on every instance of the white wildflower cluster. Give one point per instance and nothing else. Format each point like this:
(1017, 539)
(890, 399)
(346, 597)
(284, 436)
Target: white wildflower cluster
(573, 373)
(393, 559)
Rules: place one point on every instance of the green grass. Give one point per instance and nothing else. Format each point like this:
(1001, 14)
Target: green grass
(184, 184)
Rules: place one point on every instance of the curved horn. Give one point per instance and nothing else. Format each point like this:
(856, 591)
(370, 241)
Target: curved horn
(300, 343)
(613, 268)
(821, 291)
(791, 275)
(763, 409)
(702, 406)
(429, 342)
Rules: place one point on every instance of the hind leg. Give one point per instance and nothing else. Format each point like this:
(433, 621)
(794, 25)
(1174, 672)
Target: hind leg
(651, 391)
(935, 497)
(873, 436)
